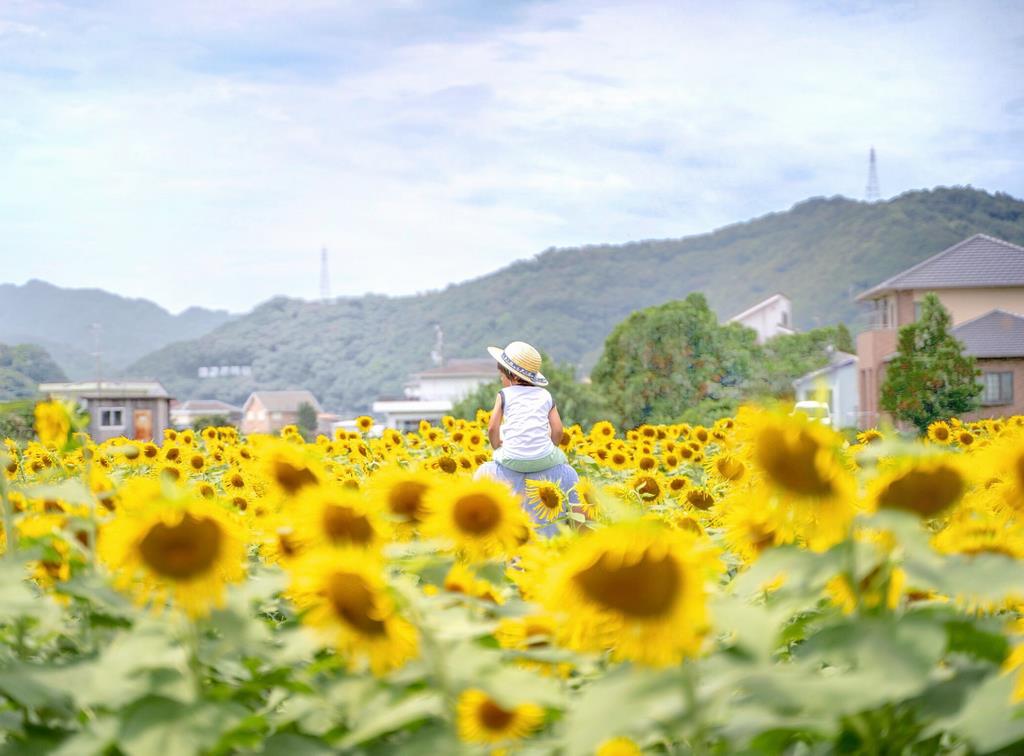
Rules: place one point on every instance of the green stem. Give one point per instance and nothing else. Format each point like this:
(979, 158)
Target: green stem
(8, 517)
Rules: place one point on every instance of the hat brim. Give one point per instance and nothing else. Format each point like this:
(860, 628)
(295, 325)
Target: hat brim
(537, 379)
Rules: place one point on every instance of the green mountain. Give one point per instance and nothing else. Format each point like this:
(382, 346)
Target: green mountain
(61, 320)
(821, 253)
(22, 368)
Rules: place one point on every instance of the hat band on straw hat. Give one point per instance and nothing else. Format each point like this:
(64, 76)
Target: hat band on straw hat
(531, 374)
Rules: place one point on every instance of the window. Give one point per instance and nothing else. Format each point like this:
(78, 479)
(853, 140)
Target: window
(997, 387)
(917, 311)
(112, 417)
(784, 319)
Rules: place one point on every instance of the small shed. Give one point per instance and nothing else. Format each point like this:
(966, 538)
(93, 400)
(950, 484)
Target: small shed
(270, 411)
(137, 409)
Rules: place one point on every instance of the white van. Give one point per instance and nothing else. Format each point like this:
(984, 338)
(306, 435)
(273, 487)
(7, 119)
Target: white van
(817, 411)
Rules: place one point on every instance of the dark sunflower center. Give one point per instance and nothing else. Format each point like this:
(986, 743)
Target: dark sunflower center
(290, 477)
(699, 498)
(352, 600)
(926, 492)
(237, 481)
(493, 717)
(1019, 469)
(792, 462)
(184, 550)
(942, 433)
(343, 523)
(645, 589)
(448, 465)
(477, 513)
(648, 487)
(550, 498)
(647, 463)
(406, 499)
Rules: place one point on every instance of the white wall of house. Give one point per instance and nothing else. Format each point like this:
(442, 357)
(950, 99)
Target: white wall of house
(839, 385)
(772, 317)
(445, 388)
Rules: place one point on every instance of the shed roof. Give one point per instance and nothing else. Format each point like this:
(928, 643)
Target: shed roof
(126, 389)
(838, 359)
(995, 334)
(206, 405)
(284, 401)
(980, 261)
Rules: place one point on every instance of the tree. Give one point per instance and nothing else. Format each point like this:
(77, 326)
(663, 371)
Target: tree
(664, 359)
(930, 378)
(207, 421)
(306, 420)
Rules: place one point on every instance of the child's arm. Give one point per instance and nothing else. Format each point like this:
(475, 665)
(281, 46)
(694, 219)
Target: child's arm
(494, 425)
(555, 421)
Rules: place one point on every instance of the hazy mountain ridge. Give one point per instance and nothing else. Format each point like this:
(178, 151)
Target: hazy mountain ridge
(61, 320)
(821, 253)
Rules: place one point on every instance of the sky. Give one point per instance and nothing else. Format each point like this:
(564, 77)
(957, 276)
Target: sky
(203, 153)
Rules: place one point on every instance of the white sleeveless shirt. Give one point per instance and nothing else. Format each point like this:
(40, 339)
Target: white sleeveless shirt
(525, 432)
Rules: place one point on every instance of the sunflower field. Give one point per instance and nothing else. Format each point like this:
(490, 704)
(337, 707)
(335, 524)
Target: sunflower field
(759, 586)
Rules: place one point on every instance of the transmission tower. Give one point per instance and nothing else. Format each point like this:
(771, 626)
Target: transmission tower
(872, 193)
(325, 280)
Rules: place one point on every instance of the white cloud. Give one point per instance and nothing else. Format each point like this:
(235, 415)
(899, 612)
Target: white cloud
(216, 147)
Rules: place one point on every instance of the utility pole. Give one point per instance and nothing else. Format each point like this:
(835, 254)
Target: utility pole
(325, 281)
(872, 193)
(96, 328)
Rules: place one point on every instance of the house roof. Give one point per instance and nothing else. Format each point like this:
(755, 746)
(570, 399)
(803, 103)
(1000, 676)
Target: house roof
(283, 401)
(836, 361)
(474, 367)
(759, 306)
(977, 262)
(205, 405)
(995, 334)
(140, 389)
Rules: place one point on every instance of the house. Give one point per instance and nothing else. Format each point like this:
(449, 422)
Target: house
(769, 318)
(975, 277)
(184, 414)
(270, 411)
(137, 409)
(836, 385)
(431, 394)
(996, 341)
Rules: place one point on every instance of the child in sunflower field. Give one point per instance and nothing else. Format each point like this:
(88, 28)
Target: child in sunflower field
(525, 429)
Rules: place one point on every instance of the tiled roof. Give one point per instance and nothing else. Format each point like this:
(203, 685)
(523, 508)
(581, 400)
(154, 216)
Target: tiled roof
(979, 261)
(207, 405)
(995, 334)
(107, 389)
(838, 359)
(760, 305)
(284, 401)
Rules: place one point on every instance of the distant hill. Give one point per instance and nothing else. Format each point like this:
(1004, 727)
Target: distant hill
(821, 253)
(61, 320)
(22, 368)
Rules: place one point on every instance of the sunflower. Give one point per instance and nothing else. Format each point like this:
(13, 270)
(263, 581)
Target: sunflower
(602, 431)
(650, 486)
(481, 719)
(699, 497)
(165, 545)
(587, 494)
(964, 437)
(646, 462)
(637, 588)
(533, 632)
(618, 747)
(401, 494)
(677, 486)
(726, 467)
(619, 459)
(482, 518)
(926, 487)
(287, 468)
(869, 436)
(939, 432)
(344, 597)
(547, 498)
(53, 423)
(333, 515)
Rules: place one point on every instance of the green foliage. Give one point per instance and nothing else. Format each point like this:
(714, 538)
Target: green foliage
(17, 419)
(22, 368)
(930, 378)
(675, 362)
(208, 421)
(577, 402)
(306, 420)
(565, 302)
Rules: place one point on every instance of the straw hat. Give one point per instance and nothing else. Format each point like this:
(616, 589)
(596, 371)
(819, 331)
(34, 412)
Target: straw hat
(522, 359)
